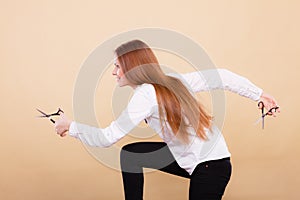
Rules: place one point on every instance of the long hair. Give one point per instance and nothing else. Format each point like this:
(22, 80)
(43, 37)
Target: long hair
(175, 103)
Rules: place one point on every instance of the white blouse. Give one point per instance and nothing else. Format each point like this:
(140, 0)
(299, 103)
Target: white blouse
(143, 105)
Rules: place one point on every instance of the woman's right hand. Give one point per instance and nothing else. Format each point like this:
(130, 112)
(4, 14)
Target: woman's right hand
(62, 125)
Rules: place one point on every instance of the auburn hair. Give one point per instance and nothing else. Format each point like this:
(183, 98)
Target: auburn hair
(176, 104)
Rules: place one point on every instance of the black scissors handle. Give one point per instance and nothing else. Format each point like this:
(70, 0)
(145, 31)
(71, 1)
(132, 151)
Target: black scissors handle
(271, 110)
(262, 106)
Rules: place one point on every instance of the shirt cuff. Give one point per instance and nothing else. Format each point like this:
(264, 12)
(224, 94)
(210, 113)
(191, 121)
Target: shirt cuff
(258, 94)
(73, 131)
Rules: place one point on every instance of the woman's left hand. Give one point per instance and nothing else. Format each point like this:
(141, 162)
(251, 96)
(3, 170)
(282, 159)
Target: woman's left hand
(269, 103)
(62, 125)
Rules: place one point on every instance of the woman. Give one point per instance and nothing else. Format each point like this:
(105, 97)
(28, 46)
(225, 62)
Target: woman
(193, 146)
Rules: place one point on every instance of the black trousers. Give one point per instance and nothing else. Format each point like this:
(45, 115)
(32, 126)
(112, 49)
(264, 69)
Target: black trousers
(207, 182)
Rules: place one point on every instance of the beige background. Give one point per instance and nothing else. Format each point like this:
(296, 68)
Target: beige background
(44, 43)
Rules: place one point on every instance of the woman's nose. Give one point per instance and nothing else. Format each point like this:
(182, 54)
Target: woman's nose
(114, 72)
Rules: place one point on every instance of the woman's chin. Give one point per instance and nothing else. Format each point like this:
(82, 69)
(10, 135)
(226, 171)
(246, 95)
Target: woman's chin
(120, 84)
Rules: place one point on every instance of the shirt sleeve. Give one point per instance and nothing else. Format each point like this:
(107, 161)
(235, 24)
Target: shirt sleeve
(211, 79)
(138, 108)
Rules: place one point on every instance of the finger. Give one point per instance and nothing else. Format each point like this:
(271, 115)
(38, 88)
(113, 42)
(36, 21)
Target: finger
(61, 116)
(59, 131)
(275, 111)
(260, 105)
(269, 113)
(278, 109)
(63, 134)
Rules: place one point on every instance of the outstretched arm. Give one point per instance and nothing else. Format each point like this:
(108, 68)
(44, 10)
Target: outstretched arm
(224, 79)
(138, 108)
(211, 79)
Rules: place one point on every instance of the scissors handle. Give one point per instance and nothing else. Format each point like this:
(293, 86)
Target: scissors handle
(50, 115)
(263, 122)
(271, 110)
(262, 106)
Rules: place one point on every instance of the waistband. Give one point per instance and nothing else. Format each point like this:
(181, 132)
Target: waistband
(210, 162)
(215, 161)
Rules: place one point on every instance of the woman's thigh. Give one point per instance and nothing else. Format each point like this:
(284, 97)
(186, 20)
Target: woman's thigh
(155, 155)
(209, 180)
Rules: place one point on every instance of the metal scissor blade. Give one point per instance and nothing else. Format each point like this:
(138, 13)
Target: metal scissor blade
(261, 119)
(49, 115)
(257, 121)
(44, 114)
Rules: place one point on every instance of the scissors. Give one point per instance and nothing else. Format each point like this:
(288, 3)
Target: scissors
(263, 115)
(50, 115)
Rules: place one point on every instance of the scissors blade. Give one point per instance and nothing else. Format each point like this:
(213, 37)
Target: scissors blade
(44, 114)
(259, 120)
